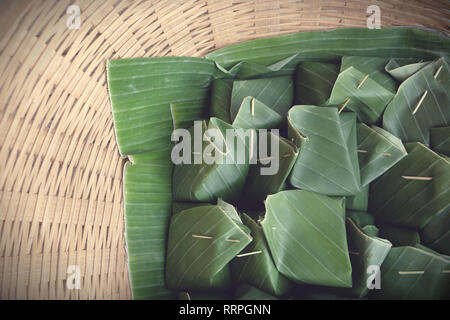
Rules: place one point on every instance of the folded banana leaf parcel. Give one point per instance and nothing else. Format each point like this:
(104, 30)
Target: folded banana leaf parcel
(306, 166)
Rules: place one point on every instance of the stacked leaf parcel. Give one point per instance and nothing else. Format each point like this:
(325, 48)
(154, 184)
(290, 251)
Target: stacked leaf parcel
(359, 206)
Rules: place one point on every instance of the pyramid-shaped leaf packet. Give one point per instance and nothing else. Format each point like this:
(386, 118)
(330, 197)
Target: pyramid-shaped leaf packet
(255, 265)
(413, 191)
(401, 69)
(358, 92)
(421, 103)
(276, 92)
(378, 150)
(314, 82)
(327, 162)
(306, 235)
(254, 114)
(223, 178)
(367, 252)
(373, 67)
(202, 241)
(259, 185)
(413, 273)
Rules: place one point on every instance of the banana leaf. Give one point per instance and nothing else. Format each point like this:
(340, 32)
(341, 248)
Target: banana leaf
(436, 234)
(314, 82)
(277, 93)
(374, 67)
(358, 92)
(401, 69)
(378, 150)
(360, 201)
(412, 273)
(399, 236)
(221, 99)
(224, 178)
(184, 114)
(421, 103)
(414, 190)
(348, 123)
(184, 296)
(148, 201)
(247, 292)
(429, 250)
(366, 251)
(178, 94)
(181, 206)
(250, 70)
(392, 42)
(254, 114)
(362, 219)
(371, 230)
(199, 248)
(440, 140)
(307, 238)
(232, 213)
(258, 186)
(205, 295)
(255, 214)
(221, 89)
(151, 157)
(327, 162)
(141, 91)
(258, 269)
(310, 292)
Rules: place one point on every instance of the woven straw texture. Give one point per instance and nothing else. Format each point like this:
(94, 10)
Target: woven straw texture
(61, 197)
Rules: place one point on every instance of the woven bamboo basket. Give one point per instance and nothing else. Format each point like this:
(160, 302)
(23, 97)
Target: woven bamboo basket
(61, 200)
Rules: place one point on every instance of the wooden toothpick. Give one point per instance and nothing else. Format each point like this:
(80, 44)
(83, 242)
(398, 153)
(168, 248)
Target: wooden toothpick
(344, 105)
(418, 272)
(286, 155)
(437, 72)
(361, 151)
(420, 101)
(387, 154)
(362, 81)
(232, 240)
(411, 272)
(248, 254)
(202, 237)
(252, 108)
(251, 145)
(417, 178)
